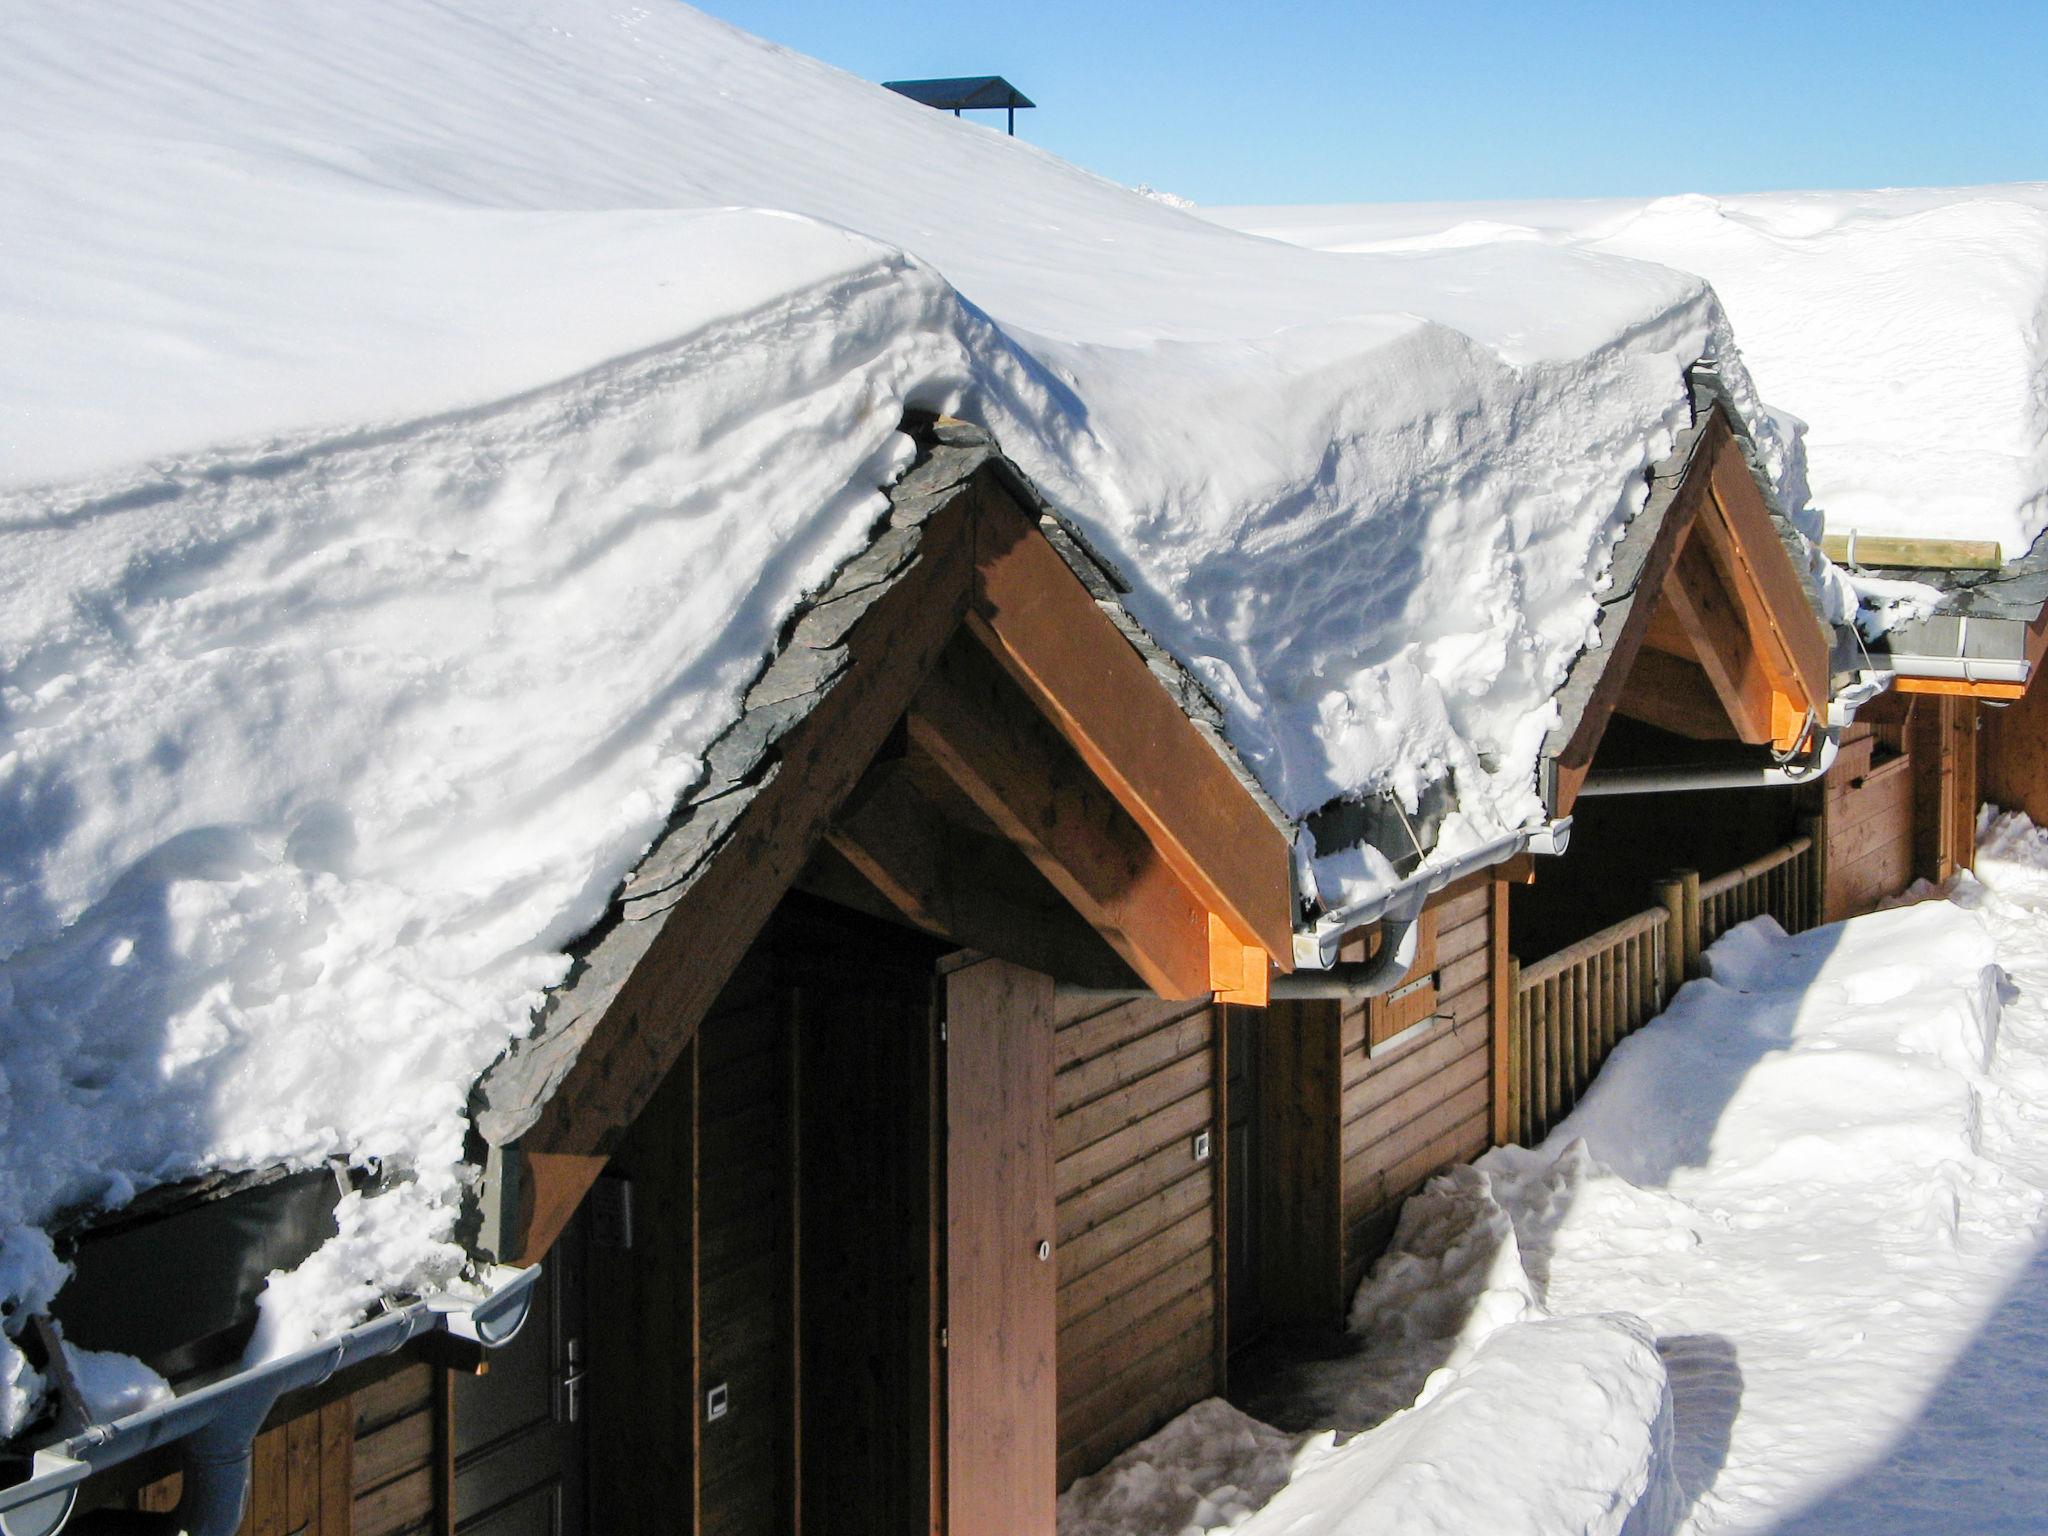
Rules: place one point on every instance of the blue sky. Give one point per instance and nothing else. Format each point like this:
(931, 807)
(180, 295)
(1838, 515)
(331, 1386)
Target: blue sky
(1299, 102)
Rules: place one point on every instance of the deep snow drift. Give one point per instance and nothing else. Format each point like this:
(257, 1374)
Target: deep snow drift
(1908, 328)
(1785, 1268)
(415, 424)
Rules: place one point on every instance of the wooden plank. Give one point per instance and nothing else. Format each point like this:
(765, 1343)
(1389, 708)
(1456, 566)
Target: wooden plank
(1103, 1331)
(402, 1505)
(1383, 1077)
(337, 1469)
(1386, 1119)
(408, 1391)
(1104, 1242)
(972, 721)
(402, 1446)
(1109, 1025)
(1002, 1412)
(1181, 1317)
(1088, 1208)
(1893, 553)
(1088, 1081)
(1132, 1103)
(656, 1011)
(1141, 1416)
(1093, 1431)
(1101, 1159)
(1135, 1263)
(1045, 629)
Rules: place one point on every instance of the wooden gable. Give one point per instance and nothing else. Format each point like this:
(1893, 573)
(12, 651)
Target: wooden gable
(984, 705)
(1718, 640)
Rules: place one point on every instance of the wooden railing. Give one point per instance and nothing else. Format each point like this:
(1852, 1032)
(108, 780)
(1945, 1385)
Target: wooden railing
(1784, 883)
(1571, 1008)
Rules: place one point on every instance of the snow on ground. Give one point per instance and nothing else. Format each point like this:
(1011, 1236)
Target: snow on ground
(1908, 328)
(415, 424)
(1784, 1269)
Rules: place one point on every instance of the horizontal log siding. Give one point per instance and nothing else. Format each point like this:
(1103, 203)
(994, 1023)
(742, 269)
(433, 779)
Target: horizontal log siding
(396, 1441)
(1425, 1103)
(1138, 1229)
(1869, 824)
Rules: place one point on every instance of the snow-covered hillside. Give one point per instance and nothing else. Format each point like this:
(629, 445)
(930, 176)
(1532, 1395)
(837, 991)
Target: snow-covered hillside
(1784, 1268)
(1907, 328)
(415, 423)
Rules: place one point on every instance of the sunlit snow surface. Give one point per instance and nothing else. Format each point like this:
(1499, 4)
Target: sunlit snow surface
(1907, 328)
(1784, 1269)
(417, 421)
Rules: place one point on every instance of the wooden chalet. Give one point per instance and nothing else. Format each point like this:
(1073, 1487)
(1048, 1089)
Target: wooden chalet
(941, 1108)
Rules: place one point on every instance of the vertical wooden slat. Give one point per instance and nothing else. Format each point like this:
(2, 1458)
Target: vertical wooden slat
(337, 1467)
(1500, 975)
(301, 1472)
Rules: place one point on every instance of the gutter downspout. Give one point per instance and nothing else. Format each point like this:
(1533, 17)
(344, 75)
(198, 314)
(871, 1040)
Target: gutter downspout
(1315, 949)
(216, 1424)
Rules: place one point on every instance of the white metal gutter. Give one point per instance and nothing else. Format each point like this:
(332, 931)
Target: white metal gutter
(215, 1425)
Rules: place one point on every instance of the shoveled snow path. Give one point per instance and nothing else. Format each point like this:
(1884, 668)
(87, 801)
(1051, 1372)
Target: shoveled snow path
(1817, 1184)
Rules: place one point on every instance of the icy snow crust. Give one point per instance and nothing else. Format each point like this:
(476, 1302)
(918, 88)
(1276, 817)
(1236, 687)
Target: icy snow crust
(1784, 1268)
(1907, 328)
(415, 424)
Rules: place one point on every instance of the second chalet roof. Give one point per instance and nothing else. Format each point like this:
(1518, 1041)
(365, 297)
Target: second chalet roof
(967, 93)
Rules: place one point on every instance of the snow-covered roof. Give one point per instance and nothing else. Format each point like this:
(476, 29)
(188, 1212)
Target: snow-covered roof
(1907, 329)
(416, 425)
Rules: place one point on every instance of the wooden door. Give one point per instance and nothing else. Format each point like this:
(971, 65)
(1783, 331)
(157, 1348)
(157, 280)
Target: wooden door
(1001, 1423)
(519, 1431)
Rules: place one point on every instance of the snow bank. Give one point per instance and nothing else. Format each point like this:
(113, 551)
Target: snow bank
(415, 425)
(1907, 328)
(1784, 1267)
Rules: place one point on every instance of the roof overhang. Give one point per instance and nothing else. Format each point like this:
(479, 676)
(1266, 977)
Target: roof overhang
(1709, 630)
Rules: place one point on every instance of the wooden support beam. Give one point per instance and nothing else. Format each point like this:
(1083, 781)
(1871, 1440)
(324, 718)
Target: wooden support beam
(1787, 633)
(977, 725)
(1956, 688)
(1043, 627)
(976, 891)
(1713, 621)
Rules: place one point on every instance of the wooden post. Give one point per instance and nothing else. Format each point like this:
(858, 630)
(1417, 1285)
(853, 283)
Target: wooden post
(1517, 1024)
(1671, 897)
(1815, 827)
(1690, 889)
(1501, 976)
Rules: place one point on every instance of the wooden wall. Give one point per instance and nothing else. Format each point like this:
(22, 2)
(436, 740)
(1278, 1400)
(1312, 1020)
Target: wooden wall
(1868, 797)
(398, 1456)
(1414, 1108)
(367, 1465)
(1139, 1229)
(2014, 755)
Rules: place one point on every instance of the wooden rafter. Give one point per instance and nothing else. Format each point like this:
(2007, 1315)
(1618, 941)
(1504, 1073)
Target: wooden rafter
(973, 890)
(1045, 629)
(972, 720)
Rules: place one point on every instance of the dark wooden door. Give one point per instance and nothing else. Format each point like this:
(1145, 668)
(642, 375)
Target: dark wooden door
(1001, 1274)
(519, 1432)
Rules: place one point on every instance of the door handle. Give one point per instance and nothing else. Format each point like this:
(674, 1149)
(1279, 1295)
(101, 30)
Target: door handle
(572, 1397)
